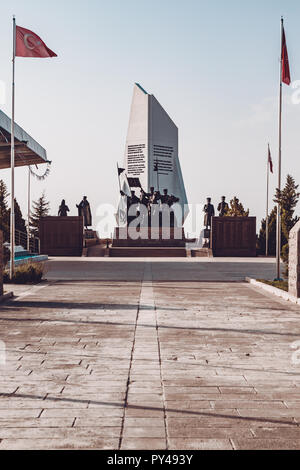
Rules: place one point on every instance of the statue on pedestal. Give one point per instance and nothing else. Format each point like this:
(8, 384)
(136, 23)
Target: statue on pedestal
(223, 207)
(84, 211)
(63, 209)
(209, 211)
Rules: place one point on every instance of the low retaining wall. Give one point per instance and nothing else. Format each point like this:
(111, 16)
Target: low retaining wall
(1, 263)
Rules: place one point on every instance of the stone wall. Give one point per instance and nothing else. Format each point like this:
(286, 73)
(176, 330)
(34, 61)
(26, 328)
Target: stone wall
(1, 263)
(61, 236)
(294, 261)
(233, 236)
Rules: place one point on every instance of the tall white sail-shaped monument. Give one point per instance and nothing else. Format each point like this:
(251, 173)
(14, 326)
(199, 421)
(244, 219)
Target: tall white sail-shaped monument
(152, 144)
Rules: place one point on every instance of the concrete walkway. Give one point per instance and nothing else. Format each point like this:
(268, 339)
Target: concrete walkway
(108, 364)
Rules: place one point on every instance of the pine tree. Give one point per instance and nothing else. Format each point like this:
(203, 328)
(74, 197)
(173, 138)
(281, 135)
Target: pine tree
(236, 209)
(4, 213)
(288, 199)
(41, 208)
(261, 242)
(19, 221)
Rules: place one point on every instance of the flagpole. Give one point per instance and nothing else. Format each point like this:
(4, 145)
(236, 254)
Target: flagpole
(267, 206)
(28, 212)
(119, 176)
(278, 228)
(12, 162)
(157, 176)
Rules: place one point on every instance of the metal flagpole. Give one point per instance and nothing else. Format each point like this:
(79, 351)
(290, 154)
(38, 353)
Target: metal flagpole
(12, 162)
(278, 228)
(119, 176)
(267, 206)
(157, 175)
(28, 212)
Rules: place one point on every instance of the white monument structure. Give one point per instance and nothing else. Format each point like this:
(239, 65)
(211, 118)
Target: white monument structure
(152, 147)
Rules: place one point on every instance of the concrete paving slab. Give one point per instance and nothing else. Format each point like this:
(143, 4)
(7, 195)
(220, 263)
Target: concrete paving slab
(149, 354)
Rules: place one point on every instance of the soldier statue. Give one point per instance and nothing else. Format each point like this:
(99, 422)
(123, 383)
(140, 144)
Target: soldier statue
(209, 211)
(63, 209)
(223, 207)
(84, 211)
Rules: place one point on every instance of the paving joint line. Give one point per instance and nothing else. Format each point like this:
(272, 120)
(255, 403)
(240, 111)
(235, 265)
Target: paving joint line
(160, 367)
(148, 281)
(129, 373)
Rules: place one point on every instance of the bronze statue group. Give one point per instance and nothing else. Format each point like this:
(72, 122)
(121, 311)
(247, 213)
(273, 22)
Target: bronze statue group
(155, 204)
(84, 211)
(209, 211)
(150, 207)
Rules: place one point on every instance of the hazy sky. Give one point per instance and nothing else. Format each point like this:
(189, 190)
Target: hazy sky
(214, 67)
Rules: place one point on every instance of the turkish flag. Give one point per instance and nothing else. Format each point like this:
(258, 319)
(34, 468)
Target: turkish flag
(29, 44)
(286, 76)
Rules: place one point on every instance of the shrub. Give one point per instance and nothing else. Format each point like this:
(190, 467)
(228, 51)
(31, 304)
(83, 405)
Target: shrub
(283, 285)
(29, 273)
(6, 255)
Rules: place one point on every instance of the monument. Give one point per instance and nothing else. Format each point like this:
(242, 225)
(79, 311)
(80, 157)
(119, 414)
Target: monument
(151, 153)
(153, 172)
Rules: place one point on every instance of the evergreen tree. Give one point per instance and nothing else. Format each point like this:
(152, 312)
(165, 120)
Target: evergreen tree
(4, 213)
(41, 208)
(19, 221)
(261, 242)
(236, 209)
(288, 199)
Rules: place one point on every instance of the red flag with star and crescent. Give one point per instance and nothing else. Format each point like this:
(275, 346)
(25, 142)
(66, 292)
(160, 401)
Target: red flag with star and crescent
(29, 44)
(286, 75)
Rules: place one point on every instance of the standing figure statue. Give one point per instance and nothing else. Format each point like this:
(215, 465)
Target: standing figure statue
(168, 200)
(223, 207)
(63, 209)
(154, 208)
(84, 211)
(209, 213)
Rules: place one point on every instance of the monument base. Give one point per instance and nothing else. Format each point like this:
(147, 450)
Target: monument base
(148, 242)
(147, 252)
(233, 236)
(61, 236)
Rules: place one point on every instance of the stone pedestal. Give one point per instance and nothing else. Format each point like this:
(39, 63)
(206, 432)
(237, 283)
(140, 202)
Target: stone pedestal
(233, 236)
(148, 242)
(294, 261)
(61, 236)
(149, 237)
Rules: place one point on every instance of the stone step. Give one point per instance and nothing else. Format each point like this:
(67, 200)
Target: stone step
(142, 252)
(201, 253)
(96, 251)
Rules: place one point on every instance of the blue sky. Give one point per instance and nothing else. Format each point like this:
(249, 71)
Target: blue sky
(214, 66)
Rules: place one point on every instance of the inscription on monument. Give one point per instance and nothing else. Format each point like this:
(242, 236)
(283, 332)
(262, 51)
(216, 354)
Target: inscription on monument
(136, 159)
(163, 159)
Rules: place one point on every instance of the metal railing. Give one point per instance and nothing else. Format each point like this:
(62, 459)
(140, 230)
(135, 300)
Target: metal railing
(32, 245)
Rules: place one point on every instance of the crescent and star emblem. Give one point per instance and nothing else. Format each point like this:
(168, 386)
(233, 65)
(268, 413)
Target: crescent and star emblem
(31, 42)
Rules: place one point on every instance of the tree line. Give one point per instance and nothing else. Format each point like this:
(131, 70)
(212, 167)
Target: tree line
(41, 208)
(288, 199)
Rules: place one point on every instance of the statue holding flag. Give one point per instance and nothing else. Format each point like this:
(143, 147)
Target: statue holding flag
(84, 211)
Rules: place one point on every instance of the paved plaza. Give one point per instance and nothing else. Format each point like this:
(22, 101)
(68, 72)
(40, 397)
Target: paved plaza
(149, 354)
